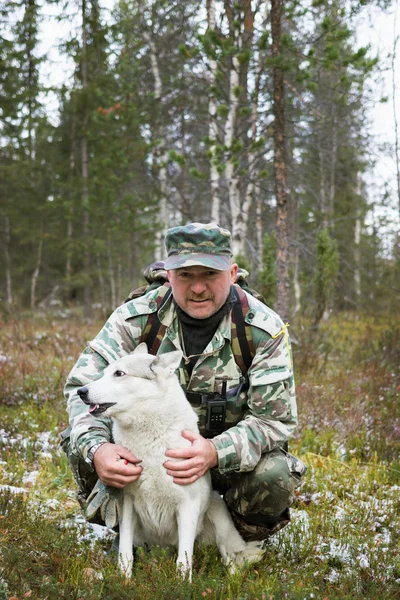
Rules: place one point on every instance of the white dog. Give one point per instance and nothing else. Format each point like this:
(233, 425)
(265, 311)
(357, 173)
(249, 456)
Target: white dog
(149, 410)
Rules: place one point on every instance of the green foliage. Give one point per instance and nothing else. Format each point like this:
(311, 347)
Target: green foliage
(176, 157)
(267, 277)
(242, 262)
(196, 173)
(345, 518)
(244, 57)
(222, 110)
(132, 134)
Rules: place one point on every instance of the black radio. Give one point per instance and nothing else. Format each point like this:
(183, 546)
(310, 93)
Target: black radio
(215, 404)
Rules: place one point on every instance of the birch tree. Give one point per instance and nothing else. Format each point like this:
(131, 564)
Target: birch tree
(160, 153)
(231, 172)
(212, 117)
(282, 197)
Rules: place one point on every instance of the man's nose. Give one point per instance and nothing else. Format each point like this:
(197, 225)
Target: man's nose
(198, 286)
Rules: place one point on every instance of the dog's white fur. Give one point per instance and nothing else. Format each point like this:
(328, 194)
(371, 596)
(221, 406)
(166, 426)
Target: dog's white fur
(149, 414)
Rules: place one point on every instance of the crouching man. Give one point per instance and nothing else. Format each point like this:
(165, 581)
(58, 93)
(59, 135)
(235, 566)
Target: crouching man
(237, 373)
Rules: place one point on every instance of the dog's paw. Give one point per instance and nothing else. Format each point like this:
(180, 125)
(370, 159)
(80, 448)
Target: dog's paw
(251, 554)
(184, 570)
(125, 565)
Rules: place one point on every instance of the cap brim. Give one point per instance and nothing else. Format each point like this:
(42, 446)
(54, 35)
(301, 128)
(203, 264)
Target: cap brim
(179, 261)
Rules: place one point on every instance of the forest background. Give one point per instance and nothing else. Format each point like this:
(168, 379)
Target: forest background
(251, 114)
(256, 115)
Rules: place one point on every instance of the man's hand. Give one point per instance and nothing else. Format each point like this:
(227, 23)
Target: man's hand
(116, 466)
(200, 457)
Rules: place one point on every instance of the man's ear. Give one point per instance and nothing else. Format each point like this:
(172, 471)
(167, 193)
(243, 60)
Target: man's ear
(233, 272)
(167, 363)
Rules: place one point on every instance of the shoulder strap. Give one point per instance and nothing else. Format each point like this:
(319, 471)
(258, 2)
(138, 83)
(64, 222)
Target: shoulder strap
(241, 334)
(154, 331)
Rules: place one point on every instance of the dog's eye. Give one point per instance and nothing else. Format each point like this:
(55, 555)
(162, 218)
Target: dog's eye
(119, 374)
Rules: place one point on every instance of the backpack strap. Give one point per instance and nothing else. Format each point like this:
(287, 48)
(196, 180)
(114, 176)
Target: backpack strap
(154, 331)
(241, 334)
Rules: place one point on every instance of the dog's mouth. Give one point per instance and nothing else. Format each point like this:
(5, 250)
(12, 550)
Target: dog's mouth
(97, 409)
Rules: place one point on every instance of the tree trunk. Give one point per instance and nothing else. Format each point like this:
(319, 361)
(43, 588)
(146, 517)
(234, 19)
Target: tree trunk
(7, 262)
(213, 125)
(111, 274)
(231, 171)
(282, 196)
(134, 273)
(72, 164)
(85, 175)
(251, 156)
(102, 287)
(357, 275)
(31, 9)
(160, 152)
(259, 230)
(396, 130)
(35, 274)
(332, 166)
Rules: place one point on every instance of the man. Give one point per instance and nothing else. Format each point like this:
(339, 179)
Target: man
(244, 433)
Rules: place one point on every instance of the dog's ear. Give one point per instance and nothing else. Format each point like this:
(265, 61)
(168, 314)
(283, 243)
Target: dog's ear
(141, 349)
(167, 363)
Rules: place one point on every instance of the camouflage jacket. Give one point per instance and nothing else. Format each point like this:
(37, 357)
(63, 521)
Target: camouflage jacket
(259, 420)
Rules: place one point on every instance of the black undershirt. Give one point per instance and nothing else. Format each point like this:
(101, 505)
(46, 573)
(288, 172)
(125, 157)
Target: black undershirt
(197, 333)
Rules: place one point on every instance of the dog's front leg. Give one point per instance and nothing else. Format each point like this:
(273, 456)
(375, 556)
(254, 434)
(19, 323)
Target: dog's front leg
(187, 517)
(126, 528)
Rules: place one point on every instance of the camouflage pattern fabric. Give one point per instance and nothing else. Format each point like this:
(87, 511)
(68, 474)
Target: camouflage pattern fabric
(269, 488)
(204, 244)
(257, 421)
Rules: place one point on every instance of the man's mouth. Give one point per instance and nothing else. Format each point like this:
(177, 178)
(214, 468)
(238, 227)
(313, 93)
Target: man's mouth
(97, 409)
(199, 300)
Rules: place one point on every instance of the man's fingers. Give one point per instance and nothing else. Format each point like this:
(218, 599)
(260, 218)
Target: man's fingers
(183, 465)
(126, 454)
(190, 435)
(122, 477)
(185, 480)
(180, 452)
(183, 473)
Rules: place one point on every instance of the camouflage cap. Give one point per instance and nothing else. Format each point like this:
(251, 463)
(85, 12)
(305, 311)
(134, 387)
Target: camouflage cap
(198, 244)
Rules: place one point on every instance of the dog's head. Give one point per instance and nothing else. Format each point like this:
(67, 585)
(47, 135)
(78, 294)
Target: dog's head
(133, 379)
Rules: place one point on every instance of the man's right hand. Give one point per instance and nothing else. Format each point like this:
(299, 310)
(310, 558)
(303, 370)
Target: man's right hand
(116, 466)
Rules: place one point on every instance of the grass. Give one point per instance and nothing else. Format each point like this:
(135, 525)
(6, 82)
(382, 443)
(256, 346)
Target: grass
(343, 541)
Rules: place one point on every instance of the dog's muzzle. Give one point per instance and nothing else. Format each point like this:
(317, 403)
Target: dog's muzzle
(94, 409)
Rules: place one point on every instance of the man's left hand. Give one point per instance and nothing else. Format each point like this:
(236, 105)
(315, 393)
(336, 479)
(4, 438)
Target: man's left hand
(199, 458)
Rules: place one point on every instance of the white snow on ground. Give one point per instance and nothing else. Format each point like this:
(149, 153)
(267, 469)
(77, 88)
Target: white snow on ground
(30, 477)
(336, 548)
(344, 553)
(13, 489)
(90, 532)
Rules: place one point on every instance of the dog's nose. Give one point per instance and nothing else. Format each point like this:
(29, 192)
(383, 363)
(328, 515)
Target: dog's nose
(82, 393)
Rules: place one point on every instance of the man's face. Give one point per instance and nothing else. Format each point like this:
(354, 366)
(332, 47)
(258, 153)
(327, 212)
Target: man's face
(201, 291)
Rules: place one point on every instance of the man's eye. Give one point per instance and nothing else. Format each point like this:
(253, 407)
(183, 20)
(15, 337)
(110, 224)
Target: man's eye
(119, 374)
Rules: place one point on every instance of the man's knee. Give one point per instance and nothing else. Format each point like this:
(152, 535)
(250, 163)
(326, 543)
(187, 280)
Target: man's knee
(269, 488)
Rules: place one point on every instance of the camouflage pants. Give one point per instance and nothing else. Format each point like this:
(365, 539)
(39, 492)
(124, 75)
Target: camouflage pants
(258, 500)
